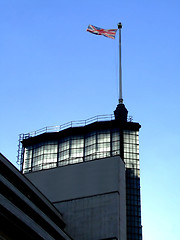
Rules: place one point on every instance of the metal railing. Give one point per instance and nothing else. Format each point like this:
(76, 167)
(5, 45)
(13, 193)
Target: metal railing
(80, 123)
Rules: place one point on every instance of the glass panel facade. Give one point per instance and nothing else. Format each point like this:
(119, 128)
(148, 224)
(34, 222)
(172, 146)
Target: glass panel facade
(133, 207)
(44, 155)
(72, 149)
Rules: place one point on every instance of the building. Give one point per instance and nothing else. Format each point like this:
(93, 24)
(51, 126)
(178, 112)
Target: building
(89, 170)
(25, 213)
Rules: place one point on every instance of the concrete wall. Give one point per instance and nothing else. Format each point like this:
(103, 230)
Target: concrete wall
(90, 195)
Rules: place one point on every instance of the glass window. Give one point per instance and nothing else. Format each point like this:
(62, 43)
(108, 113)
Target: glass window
(50, 147)
(27, 159)
(38, 150)
(77, 149)
(103, 144)
(115, 142)
(90, 146)
(90, 139)
(37, 163)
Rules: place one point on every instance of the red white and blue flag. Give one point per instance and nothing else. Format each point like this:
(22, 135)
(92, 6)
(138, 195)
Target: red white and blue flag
(110, 33)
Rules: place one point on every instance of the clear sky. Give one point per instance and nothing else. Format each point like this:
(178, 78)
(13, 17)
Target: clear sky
(52, 71)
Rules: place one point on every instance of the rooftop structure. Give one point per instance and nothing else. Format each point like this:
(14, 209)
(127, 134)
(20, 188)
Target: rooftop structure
(83, 143)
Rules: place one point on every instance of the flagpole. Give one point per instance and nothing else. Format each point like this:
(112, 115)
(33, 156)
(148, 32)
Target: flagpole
(120, 68)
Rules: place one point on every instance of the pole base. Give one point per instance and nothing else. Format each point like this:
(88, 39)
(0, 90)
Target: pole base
(121, 113)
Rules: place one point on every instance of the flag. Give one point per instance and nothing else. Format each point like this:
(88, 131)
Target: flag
(110, 33)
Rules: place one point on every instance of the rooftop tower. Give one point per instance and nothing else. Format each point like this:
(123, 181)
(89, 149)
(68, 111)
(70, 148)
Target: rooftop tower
(83, 145)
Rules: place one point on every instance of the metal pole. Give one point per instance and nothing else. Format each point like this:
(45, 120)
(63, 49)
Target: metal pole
(120, 69)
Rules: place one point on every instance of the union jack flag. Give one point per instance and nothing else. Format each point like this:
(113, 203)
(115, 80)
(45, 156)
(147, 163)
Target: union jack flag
(110, 33)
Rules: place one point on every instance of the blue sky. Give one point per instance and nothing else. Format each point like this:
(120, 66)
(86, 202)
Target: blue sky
(52, 71)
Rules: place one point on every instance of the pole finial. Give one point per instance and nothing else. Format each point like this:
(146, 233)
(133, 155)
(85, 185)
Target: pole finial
(119, 25)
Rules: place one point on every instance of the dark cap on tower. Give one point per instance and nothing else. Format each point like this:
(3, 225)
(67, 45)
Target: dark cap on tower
(121, 113)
